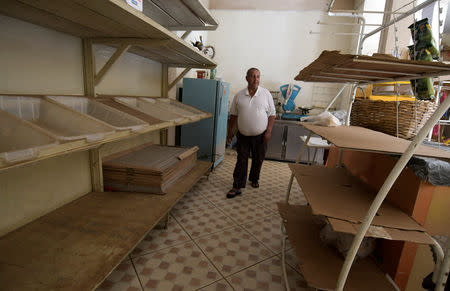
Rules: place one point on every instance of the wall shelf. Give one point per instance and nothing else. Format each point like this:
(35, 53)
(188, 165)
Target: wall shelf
(150, 124)
(111, 22)
(76, 246)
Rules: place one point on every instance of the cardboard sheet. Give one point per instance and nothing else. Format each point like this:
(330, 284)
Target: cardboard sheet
(380, 232)
(363, 139)
(320, 264)
(335, 193)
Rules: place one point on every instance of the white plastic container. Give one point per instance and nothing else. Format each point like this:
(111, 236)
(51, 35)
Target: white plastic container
(148, 107)
(175, 107)
(63, 123)
(20, 140)
(111, 116)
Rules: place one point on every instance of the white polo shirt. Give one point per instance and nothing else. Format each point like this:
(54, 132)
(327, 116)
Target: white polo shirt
(252, 112)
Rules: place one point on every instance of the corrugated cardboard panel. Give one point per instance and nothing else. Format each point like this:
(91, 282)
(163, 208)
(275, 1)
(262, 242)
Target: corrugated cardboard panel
(381, 232)
(335, 193)
(320, 264)
(363, 139)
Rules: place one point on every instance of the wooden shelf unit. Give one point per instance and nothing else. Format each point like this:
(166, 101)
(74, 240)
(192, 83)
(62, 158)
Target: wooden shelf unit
(333, 67)
(111, 22)
(76, 246)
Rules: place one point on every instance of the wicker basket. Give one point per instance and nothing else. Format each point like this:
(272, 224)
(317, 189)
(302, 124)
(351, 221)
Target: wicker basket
(381, 116)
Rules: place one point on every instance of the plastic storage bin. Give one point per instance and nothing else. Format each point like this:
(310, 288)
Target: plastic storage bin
(150, 109)
(113, 117)
(20, 140)
(175, 107)
(63, 123)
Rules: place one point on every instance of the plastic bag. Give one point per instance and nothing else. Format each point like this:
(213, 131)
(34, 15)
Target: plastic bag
(423, 88)
(343, 241)
(323, 119)
(422, 36)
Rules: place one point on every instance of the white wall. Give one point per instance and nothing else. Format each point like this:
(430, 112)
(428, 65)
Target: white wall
(276, 42)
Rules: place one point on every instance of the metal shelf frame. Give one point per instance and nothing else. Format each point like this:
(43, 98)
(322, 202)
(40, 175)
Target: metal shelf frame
(442, 266)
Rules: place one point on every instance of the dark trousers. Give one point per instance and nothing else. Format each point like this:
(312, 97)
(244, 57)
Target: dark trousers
(246, 145)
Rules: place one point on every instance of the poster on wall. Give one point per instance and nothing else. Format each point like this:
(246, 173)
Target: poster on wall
(137, 4)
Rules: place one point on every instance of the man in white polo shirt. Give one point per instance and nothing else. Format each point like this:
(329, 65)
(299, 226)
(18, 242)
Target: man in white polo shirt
(254, 111)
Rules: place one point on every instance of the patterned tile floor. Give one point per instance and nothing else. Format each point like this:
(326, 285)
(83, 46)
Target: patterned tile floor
(214, 243)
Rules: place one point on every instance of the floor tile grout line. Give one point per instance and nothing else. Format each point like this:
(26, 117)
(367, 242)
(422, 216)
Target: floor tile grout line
(248, 267)
(260, 241)
(223, 277)
(164, 248)
(137, 274)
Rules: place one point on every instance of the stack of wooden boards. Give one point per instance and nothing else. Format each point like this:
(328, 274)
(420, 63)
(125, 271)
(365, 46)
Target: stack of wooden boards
(149, 168)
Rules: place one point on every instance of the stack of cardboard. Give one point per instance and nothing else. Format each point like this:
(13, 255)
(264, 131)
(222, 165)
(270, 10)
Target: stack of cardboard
(150, 168)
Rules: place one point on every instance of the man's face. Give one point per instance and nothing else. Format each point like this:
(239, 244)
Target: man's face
(253, 79)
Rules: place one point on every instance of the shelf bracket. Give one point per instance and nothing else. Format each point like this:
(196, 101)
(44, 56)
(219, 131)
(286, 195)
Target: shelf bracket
(117, 54)
(186, 34)
(182, 74)
(88, 68)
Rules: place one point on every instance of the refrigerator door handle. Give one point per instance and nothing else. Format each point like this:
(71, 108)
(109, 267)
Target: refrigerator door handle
(221, 96)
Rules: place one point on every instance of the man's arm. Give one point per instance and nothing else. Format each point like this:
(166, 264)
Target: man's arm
(231, 124)
(269, 128)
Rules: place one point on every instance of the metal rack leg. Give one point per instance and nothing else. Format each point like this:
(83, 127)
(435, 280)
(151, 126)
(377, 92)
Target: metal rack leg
(384, 191)
(283, 255)
(445, 269)
(439, 258)
(299, 157)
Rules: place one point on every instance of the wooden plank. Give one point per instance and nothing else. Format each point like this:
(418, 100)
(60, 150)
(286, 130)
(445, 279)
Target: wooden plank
(40, 17)
(146, 42)
(179, 11)
(117, 54)
(320, 264)
(77, 13)
(76, 246)
(88, 68)
(201, 11)
(159, 15)
(363, 139)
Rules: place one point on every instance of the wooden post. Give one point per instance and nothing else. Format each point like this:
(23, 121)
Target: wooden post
(96, 170)
(88, 68)
(163, 133)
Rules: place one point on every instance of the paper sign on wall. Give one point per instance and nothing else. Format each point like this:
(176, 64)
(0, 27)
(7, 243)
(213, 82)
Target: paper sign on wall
(137, 4)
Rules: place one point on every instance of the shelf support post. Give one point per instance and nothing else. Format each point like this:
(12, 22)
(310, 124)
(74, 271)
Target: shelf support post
(96, 170)
(382, 193)
(88, 68)
(163, 133)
